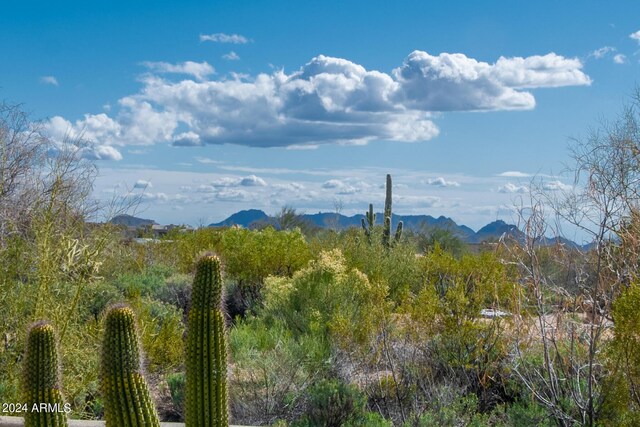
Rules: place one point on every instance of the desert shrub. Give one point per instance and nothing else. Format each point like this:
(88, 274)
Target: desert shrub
(249, 256)
(331, 403)
(147, 283)
(176, 383)
(271, 371)
(397, 267)
(460, 412)
(527, 413)
(329, 299)
(97, 297)
(176, 291)
(161, 331)
(622, 398)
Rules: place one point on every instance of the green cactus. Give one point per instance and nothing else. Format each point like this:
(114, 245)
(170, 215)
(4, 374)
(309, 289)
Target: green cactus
(41, 385)
(127, 402)
(371, 221)
(206, 378)
(386, 222)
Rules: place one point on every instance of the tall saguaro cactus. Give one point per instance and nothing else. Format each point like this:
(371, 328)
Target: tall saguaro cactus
(206, 379)
(41, 384)
(388, 214)
(386, 220)
(127, 402)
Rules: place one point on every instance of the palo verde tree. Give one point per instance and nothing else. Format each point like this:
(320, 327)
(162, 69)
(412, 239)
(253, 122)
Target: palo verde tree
(572, 382)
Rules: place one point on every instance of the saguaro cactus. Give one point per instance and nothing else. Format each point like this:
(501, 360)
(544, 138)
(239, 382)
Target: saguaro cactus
(127, 402)
(386, 220)
(371, 221)
(206, 379)
(41, 384)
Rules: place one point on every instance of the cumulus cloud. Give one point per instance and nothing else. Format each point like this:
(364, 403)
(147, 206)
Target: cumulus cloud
(154, 197)
(101, 152)
(619, 58)
(252, 181)
(199, 70)
(455, 82)
(247, 181)
(224, 38)
(328, 100)
(49, 80)
(341, 187)
(441, 182)
(556, 186)
(141, 183)
(635, 36)
(290, 186)
(187, 139)
(512, 188)
(231, 56)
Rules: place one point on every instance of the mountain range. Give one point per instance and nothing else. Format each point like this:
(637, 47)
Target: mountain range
(254, 218)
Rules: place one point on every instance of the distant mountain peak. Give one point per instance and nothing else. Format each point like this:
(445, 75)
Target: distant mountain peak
(131, 221)
(244, 218)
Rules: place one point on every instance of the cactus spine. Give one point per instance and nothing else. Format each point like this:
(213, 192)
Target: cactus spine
(127, 402)
(41, 385)
(206, 379)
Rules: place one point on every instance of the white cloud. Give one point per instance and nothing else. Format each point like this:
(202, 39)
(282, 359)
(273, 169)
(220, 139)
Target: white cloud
(247, 181)
(450, 82)
(441, 182)
(101, 152)
(328, 100)
(231, 195)
(602, 52)
(231, 56)
(154, 197)
(342, 187)
(199, 70)
(49, 80)
(515, 174)
(619, 58)
(556, 186)
(512, 188)
(302, 147)
(224, 38)
(252, 181)
(289, 186)
(141, 183)
(187, 139)
(635, 36)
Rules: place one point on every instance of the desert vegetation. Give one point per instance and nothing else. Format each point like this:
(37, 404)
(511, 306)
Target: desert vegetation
(354, 327)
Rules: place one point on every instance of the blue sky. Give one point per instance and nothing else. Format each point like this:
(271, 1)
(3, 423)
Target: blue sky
(212, 107)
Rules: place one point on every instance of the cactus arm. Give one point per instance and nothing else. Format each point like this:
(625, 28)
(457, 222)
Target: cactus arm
(386, 231)
(398, 235)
